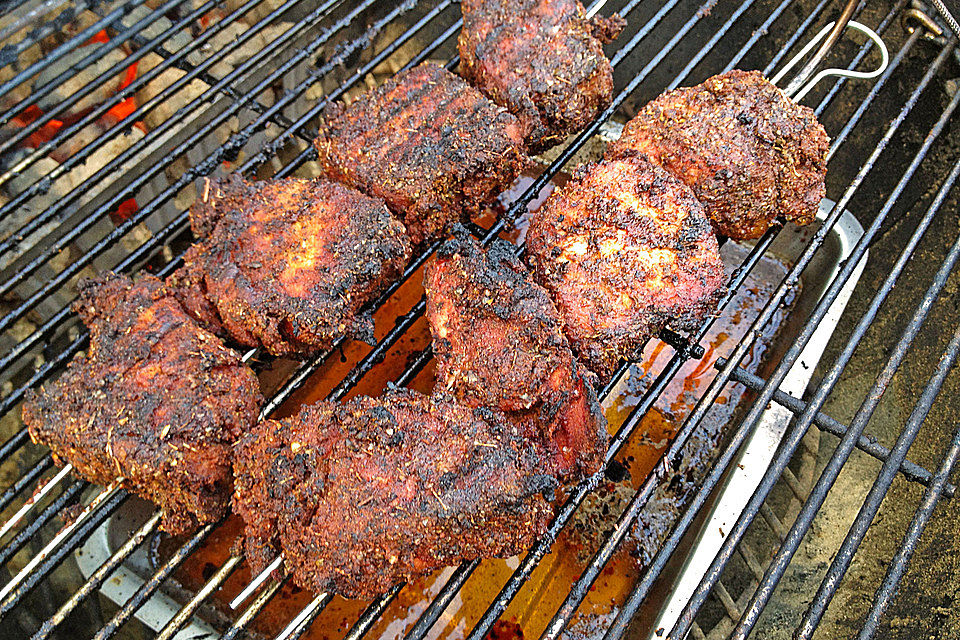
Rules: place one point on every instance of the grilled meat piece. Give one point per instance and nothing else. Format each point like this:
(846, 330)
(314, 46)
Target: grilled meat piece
(541, 59)
(157, 401)
(428, 143)
(749, 153)
(289, 264)
(499, 343)
(363, 495)
(625, 249)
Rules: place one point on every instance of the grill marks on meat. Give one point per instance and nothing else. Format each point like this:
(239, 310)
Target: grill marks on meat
(289, 264)
(625, 249)
(748, 152)
(541, 59)
(363, 495)
(156, 400)
(433, 147)
(499, 343)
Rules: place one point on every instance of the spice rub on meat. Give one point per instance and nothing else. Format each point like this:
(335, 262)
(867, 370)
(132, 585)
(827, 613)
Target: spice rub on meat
(363, 495)
(541, 59)
(289, 264)
(499, 342)
(157, 401)
(625, 249)
(433, 147)
(749, 153)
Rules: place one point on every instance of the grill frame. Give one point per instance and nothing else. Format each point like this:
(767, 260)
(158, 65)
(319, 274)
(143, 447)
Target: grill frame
(299, 128)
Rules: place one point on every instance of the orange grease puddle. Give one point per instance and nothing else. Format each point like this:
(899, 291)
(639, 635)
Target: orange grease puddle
(538, 600)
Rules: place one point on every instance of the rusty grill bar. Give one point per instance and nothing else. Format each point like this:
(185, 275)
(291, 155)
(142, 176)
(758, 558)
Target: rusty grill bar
(336, 45)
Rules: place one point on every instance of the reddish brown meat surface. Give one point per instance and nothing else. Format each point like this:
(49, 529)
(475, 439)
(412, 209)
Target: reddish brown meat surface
(289, 264)
(625, 249)
(541, 59)
(499, 343)
(363, 495)
(157, 401)
(749, 153)
(428, 143)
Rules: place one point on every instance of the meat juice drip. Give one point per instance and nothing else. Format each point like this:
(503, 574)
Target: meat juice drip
(530, 612)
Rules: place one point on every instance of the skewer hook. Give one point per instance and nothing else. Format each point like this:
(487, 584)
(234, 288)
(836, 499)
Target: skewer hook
(800, 86)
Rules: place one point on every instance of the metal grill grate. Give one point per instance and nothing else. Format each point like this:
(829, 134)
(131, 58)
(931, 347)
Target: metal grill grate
(238, 86)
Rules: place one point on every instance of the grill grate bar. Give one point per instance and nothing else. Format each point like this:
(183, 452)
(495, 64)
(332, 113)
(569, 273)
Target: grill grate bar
(878, 491)
(910, 470)
(74, 42)
(38, 495)
(98, 577)
(370, 615)
(144, 178)
(251, 612)
(186, 611)
(150, 586)
(898, 566)
(63, 543)
(26, 479)
(38, 93)
(739, 436)
(793, 437)
(306, 616)
(53, 509)
(303, 373)
(148, 106)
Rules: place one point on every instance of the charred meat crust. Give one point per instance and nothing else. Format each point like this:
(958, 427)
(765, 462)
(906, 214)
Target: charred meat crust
(157, 401)
(499, 342)
(363, 495)
(289, 264)
(748, 152)
(433, 147)
(625, 249)
(541, 59)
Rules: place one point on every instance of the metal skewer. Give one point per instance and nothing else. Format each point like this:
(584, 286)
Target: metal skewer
(799, 86)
